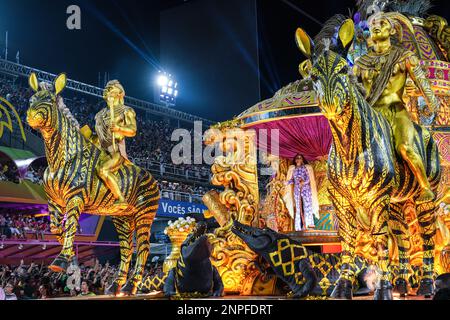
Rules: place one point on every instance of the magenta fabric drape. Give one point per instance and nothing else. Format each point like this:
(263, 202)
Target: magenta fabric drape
(309, 136)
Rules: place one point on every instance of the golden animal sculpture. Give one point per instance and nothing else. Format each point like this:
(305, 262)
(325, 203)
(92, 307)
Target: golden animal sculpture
(72, 186)
(368, 181)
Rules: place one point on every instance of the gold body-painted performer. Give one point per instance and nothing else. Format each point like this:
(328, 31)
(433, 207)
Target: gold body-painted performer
(383, 72)
(73, 186)
(113, 124)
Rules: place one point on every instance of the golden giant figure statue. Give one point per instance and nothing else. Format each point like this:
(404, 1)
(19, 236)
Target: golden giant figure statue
(384, 71)
(369, 183)
(80, 177)
(113, 124)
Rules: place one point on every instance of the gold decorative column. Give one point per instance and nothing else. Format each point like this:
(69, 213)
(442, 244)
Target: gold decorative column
(236, 171)
(274, 211)
(177, 232)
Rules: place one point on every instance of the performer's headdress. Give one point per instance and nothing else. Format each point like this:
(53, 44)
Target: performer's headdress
(66, 111)
(113, 85)
(398, 22)
(47, 86)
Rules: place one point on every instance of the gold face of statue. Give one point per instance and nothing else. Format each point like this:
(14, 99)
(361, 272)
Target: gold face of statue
(114, 96)
(381, 29)
(114, 93)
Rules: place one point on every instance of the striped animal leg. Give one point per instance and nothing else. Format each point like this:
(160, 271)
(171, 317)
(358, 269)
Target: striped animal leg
(143, 225)
(345, 214)
(73, 211)
(400, 230)
(380, 213)
(427, 221)
(125, 230)
(56, 217)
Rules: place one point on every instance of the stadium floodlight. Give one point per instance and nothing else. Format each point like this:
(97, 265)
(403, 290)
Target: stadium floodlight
(162, 80)
(168, 88)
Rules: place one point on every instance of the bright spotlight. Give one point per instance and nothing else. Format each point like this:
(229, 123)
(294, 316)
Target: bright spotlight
(162, 80)
(167, 88)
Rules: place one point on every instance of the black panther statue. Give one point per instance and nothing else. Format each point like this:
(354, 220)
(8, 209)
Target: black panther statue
(305, 272)
(442, 287)
(194, 275)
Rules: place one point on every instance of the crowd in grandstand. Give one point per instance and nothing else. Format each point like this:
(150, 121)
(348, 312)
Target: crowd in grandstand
(38, 282)
(171, 190)
(151, 148)
(35, 175)
(17, 95)
(16, 226)
(8, 172)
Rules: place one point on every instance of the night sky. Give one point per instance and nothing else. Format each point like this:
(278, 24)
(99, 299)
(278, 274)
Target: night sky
(122, 37)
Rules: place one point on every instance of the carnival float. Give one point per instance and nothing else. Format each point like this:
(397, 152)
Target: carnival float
(295, 115)
(382, 182)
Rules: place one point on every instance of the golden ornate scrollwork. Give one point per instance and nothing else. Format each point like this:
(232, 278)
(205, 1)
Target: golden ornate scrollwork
(215, 208)
(274, 211)
(233, 259)
(438, 28)
(236, 171)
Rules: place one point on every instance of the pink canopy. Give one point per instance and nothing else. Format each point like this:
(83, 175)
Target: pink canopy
(309, 136)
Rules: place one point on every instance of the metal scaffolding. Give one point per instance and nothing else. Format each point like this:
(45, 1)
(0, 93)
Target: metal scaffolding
(24, 71)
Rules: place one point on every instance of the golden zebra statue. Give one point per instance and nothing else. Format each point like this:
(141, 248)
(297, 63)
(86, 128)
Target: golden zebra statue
(369, 182)
(72, 186)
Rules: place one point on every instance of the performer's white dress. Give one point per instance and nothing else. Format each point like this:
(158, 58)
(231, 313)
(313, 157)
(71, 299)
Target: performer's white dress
(305, 197)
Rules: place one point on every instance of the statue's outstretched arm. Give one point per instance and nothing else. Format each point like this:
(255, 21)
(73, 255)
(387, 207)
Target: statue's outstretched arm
(420, 79)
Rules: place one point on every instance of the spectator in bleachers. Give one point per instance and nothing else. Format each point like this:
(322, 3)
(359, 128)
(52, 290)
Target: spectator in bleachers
(15, 225)
(152, 145)
(44, 291)
(37, 282)
(86, 289)
(9, 292)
